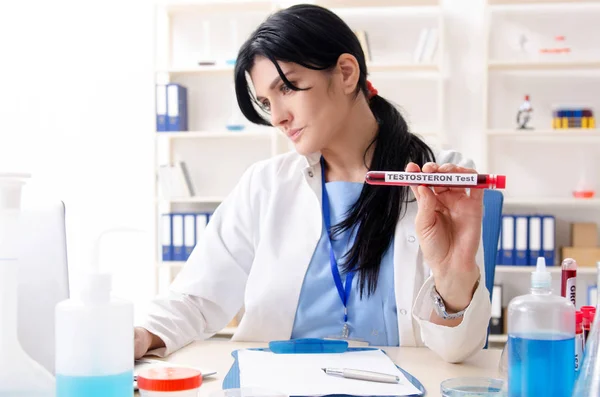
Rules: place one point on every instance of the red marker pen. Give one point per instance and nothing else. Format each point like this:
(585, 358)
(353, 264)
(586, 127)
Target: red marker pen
(568, 286)
(396, 178)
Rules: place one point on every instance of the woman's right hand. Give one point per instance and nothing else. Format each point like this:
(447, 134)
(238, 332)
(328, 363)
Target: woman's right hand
(143, 341)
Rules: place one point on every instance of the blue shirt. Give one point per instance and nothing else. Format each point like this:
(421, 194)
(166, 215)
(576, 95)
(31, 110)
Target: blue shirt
(320, 312)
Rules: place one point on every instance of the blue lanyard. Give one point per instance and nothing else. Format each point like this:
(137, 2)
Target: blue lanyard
(343, 290)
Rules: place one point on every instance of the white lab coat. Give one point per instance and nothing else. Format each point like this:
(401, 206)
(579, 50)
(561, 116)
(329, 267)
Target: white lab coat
(255, 254)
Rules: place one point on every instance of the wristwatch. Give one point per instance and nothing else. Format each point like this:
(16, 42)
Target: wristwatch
(440, 307)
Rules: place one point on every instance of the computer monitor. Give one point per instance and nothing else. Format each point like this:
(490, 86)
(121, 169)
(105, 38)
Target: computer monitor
(43, 278)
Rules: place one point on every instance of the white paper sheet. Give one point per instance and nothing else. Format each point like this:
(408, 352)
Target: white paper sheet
(302, 374)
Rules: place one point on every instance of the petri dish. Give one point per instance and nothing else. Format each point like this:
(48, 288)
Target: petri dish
(473, 387)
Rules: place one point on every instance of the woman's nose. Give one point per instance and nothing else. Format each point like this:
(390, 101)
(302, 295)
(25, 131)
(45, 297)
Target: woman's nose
(279, 115)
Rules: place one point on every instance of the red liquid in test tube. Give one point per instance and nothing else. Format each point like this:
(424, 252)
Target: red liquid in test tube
(568, 287)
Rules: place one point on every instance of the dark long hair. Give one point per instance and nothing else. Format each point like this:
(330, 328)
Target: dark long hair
(315, 37)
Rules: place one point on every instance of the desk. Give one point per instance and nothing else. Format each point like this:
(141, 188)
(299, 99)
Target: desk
(420, 362)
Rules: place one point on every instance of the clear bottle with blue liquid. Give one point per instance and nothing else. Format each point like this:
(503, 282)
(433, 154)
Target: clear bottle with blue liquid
(94, 343)
(541, 340)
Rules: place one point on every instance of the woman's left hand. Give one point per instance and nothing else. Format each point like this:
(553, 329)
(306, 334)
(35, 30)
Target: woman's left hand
(448, 225)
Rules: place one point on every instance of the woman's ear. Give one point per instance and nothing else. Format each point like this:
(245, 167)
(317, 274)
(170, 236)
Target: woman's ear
(350, 72)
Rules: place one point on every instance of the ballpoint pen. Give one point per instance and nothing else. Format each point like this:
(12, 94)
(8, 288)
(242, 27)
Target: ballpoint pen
(362, 375)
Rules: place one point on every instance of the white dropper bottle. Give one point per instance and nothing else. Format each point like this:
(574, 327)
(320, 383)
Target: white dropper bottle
(541, 339)
(20, 375)
(94, 340)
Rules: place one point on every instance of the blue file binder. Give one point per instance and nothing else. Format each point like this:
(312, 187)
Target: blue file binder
(548, 239)
(500, 251)
(201, 222)
(177, 114)
(535, 239)
(161, 108)
(306, 346)
(189, 234)
(521, 256)
(177, 225)
(167, 237)
(508, 239)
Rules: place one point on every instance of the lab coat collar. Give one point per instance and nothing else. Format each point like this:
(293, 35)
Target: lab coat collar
(313, 158)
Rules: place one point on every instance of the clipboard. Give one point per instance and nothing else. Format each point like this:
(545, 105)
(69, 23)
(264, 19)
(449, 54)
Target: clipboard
(311, 346)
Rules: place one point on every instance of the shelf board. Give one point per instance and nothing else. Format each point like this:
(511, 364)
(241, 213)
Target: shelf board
(194, 200)
(171, 264)
(528, 269)
(215, 134)
(372, 67)
(376, 3)
(512, 2)
(218, 68)
(216, 6)
(543, 65)
(574, 133)
(402, 67)
(503, 338)
(553, 202)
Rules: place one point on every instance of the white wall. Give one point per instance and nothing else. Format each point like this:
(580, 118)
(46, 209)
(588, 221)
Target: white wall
(76, 110)
(76, 104)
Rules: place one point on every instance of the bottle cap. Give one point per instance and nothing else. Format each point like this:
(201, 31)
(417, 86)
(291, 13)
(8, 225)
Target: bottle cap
(586, 309)
(541, 277)
(10, 189)
(501, 182)
(169, 379)
(569, 263)
(578, 317)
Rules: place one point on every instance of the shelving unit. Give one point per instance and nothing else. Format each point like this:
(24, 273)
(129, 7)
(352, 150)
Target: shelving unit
(216, 157)
(542, 164)
(529, 269)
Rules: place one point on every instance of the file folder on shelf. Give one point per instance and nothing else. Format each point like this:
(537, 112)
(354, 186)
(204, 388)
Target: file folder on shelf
(548, 239)
(161, 108)
(201, 222)
(178, 251)
(189, 234)
(521, 257)
(166, 226)
(177, 115)
(535, 239)
(508, 239)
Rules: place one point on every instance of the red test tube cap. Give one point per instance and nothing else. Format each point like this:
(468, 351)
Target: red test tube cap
(500, 181)
(578, 317)
(587, 309)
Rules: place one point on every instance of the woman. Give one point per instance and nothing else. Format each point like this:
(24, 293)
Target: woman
(392, 270)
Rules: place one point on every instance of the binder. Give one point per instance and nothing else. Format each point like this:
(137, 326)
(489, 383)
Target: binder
(189, 234)
(548, 239)
(535, 239)
(307, 346)
(177, 115)
(178, 251)
(508, 239)
(500, 251)
(167, 237)
(497, 319)
(201, 222)
(521, 256)
(161, 108)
